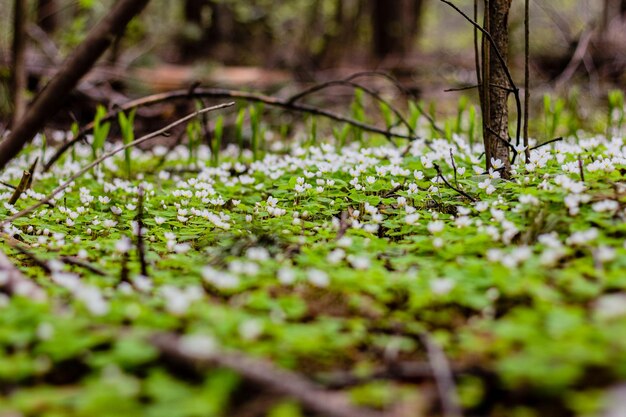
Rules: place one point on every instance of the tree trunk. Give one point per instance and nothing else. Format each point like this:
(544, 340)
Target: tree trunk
(18, 54)
(394, 25)
(73, 69)
(495, 84)
(47, 15)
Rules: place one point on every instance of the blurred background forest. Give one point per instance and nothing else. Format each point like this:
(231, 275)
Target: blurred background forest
(577, 46)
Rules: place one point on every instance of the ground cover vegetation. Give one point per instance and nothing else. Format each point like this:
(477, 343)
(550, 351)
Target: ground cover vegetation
(267, 256)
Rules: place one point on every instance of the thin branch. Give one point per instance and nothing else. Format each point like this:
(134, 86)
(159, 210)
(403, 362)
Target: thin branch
(354, 85)
(479, 80)
(72, 260)
(526, 77)
(218, 93)
(141, 250)
(15, 283)
(6, 184)
(443, 377)
(546, 143)
(467, 87)
(136, 142)
(581, 170)
(266, 375)
(344, 225)
(453, 167)
(577, 58)
(458, 190)
(393, 80)
(33, 258)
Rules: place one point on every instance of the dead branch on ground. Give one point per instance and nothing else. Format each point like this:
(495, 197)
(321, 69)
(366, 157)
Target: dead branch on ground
(14, 282)
(266, 375)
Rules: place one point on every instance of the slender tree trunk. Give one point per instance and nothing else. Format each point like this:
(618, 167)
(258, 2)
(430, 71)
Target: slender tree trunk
(495, 84)
(386, 27)
(70, 73)
(47, 15)
(18, 75)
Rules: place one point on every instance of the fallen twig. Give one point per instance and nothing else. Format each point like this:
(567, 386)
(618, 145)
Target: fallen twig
(443, 377)
(458, 190)
(24, 184)
(107, 156)
(15, 283)
(266, 375)
(344, 225)
(72, 260)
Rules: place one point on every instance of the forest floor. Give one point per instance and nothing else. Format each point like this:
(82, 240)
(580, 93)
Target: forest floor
(336, 276)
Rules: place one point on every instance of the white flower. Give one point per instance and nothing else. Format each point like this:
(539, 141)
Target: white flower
(582, 237)
(198, 346)
(605, 205)
(257, 254)
(220, 279)
(484, 184)
(463, 221)
(496, 163)
(251, 329)
(159, 220)
(286, 275)
(335, 256)
(611, 306)
(123, 245)
(494, 255)
(318, 277)
(605, 253)
(412, 218)
(104, 199)
(344, 242)
(441, 286)
(116, 210)
(528, 199)
(182, 247)
(360, 262)
(435, 226)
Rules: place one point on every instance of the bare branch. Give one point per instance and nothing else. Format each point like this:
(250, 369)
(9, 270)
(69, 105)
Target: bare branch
(443, 377)
(266, 375)
(219, 93)
(15, 283)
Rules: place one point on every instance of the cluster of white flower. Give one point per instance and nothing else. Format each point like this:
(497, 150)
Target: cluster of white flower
(90, 296)
(178, 300)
